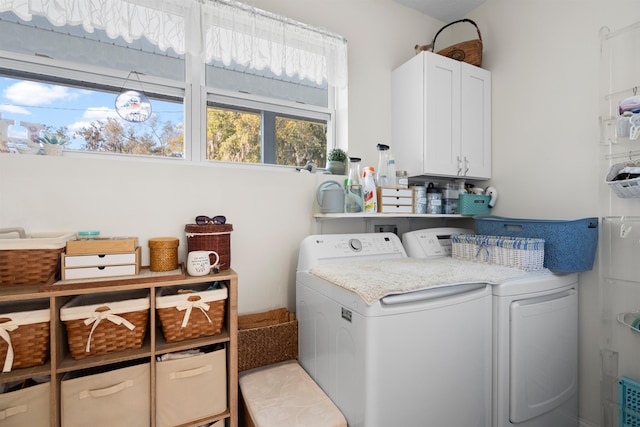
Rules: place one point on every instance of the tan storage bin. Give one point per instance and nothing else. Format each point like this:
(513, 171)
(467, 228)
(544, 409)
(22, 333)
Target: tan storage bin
(176, 401)
(26, 407)
(120, 397)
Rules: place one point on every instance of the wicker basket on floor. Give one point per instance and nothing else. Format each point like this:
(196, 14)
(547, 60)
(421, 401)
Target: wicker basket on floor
(266, 338)
(118, 322)
(187, 315)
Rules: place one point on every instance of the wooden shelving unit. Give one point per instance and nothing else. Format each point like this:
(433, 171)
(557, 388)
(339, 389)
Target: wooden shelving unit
(60, 361)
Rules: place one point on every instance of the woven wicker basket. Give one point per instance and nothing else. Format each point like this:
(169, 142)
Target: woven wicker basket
(523, 253)
(163, 253)
(211, 237)
(119, 322)
(266, 338)
(188, 315)
(30, 339)
(31, 258)
(469, 51)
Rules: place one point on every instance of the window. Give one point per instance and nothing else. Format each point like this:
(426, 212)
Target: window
(266, 100)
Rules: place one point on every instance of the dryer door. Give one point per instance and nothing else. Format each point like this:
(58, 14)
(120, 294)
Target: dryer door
(544, 354)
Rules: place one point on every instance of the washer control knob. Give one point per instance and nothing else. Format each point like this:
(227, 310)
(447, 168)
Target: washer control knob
(355, 245)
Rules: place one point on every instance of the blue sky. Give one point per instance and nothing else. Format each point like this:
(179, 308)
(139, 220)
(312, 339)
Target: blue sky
(34, 102)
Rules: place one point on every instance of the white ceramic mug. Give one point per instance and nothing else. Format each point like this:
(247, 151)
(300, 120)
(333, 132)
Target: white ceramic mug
(199, 264)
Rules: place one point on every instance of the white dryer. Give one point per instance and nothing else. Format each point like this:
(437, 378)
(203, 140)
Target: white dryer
(535, 342)
(535, 350)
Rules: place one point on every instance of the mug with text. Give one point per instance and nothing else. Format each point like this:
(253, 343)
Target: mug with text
(199, 263)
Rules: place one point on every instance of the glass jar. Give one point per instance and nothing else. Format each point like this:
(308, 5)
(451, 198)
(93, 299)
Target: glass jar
(353, 201)
(434, 200)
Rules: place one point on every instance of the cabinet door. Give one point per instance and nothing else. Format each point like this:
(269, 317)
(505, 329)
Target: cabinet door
(442, 116)
(475, 121)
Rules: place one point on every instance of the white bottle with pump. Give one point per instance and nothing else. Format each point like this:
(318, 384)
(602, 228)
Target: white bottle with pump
(369, 191)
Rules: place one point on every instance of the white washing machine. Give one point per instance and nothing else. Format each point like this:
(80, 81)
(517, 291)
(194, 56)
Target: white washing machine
(410, 359)
(535, 343)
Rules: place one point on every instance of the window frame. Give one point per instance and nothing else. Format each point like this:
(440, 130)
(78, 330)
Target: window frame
(195, 102)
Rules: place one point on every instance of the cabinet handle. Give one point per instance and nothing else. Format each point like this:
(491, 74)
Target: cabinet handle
(466, 165)
(459, 165)
(190, 372)
(106, 391)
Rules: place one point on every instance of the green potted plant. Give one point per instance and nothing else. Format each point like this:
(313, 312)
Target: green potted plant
(53, 144)
(337, 161)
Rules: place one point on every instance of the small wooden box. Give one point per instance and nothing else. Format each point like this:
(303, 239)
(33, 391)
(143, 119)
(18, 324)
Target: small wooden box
(93, 266)
(109, 245)
(395, 200)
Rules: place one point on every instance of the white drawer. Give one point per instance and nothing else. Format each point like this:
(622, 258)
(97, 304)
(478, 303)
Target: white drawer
(396, 192)
(396, 209)
(397, 201)
(99, 260)
(95, 272)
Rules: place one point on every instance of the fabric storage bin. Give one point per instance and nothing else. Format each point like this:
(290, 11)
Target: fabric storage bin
(26, 407)
(116, 397)
(192, 312)
(24, 334)
(105, 322)
(569, 245)
(177, 402)
(30, 258)
(266, 338)
(523, 253)
(211, 237)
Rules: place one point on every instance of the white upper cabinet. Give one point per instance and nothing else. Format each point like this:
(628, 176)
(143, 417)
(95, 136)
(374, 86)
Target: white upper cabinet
(441, 117)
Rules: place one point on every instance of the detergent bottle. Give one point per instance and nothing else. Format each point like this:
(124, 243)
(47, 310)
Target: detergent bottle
(369, 191)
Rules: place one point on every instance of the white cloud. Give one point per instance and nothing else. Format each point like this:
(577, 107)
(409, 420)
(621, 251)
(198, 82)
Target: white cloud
(13, 109)
(34, 94)
(94, 114)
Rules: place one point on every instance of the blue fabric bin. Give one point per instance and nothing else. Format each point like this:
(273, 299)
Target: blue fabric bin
(569, 245)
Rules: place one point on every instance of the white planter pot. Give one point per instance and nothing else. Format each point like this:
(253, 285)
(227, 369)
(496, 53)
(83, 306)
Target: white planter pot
(53, 149)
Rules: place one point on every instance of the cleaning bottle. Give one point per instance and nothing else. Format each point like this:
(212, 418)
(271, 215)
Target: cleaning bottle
(353, 201)
(369, 191)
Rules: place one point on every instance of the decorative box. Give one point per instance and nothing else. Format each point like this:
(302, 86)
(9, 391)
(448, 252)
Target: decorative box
(102, 245)
(395, 200)
(94, 266)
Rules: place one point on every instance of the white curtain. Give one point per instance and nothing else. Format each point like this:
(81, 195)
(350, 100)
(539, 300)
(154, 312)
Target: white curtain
(223, 30)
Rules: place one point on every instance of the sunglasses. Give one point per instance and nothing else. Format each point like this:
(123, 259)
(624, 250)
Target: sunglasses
(204, 220)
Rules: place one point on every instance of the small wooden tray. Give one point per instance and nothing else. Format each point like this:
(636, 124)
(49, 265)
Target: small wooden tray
(100, 245)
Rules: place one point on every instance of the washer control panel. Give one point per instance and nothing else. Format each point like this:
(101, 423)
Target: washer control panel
(324, 248)
(431, 242)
